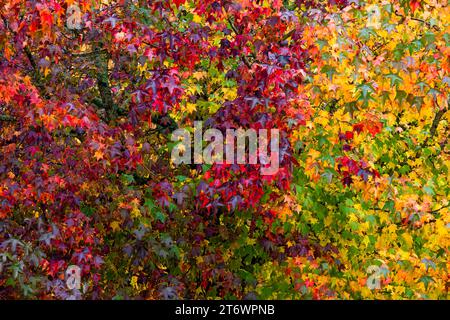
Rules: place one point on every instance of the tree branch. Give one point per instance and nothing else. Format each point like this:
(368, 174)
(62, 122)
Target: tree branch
(37, 77)
(87, 54)
(289, 34)
(437, 210)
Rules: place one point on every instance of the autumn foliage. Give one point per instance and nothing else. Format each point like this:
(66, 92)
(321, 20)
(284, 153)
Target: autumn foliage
(90, 92)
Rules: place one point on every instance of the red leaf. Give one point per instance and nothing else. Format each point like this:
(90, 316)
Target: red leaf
(414, 4)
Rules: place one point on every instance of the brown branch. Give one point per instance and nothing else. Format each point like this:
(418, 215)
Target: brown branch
(435, 27)
(30, 57)
(243, 57)
(434, 212)
(101, 63)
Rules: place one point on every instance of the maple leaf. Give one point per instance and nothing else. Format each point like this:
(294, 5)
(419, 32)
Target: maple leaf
(179, 2)
(414, 5)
